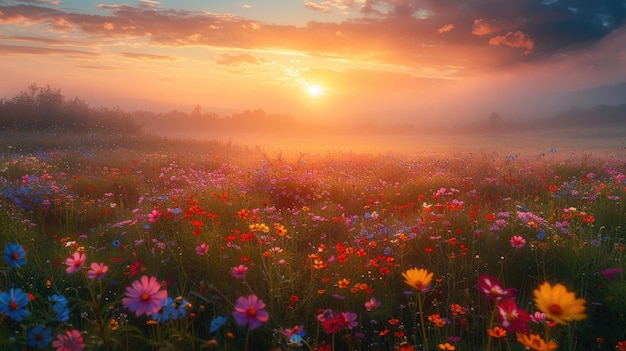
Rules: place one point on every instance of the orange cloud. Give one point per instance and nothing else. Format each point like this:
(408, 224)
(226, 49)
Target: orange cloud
(237, 60)
(147, 57)
(518, 39)
(446, 28)
(482, 27)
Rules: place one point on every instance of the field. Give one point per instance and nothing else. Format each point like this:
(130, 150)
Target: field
(500, 242)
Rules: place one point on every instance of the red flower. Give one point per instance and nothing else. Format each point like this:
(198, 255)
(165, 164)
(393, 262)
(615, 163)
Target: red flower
(512, 318)
(493, 289)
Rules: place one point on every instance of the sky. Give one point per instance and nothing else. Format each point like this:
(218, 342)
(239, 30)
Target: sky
(379, 61)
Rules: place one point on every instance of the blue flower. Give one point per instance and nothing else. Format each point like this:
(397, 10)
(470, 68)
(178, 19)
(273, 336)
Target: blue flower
(59, 306)
(39, 336)
(166, 311)
(12, 304)
(180, 308)
(217, 323)
(14, 255)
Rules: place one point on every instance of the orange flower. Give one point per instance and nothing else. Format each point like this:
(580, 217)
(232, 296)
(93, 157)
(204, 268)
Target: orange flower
(558, 304)
(536, 342)
(343, 283)
(496, 333)
(446, 346)
(418, 278)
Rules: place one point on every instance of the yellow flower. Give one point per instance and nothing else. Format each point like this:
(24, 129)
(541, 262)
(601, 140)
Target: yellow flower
(536, 342)
(558, 304)
(418, 278)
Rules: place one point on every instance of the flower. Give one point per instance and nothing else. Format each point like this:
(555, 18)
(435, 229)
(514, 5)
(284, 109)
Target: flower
(512, 318)
(153, 216)
(97, 271)
(71, 340)
(418, 278)
(75, 262)
(202, 249)
(493, 289)
(538, 317)
(496, 333)
(217, 323)
(517, 241)
(535, 342)
(621, 345)
(351, 319)
(181, 305)
(558, 304)
(446, 346)
(14, 255)
(144, 296)
(59, 306)
(165, 312)
(608, 274)
(333, 323)
(39, 336)
(12, 304)
(239, 272)
(371, 304)
(251, 311)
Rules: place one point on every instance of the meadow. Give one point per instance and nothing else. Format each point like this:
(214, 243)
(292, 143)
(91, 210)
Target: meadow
(118, 242)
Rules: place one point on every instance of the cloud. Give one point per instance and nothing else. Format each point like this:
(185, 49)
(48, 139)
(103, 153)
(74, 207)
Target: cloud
(238, 60)
(43, 2)
(446, 28)
(482, 27)
(31, 50)
(147, 57)
(517, 39)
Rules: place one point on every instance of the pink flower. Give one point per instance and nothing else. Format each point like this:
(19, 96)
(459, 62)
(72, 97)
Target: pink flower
(372, 304)
(517, 241)
(144, 296)
(239, 272)
(250, 311)
(202, 249)
(334, 324)
(538, 317)
(153, 216)
(71, 340)
(511, 317)
(75, 262)
(97, 271)
(493, 289)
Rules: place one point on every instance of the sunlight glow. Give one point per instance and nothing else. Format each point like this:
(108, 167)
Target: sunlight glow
(315, 90)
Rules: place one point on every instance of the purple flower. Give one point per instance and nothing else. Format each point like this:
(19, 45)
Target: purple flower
(251, 311)
(351, 319)
(202, 249)
(144, 296)
(610, 273)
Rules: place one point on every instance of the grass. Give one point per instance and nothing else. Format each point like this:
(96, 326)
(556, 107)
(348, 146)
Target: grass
(323, 239)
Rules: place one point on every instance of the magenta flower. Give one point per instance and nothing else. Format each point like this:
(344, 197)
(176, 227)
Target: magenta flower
(251, 311)
(351, 319)
(517, 241)
(239, 272)
(71, 340)
(144, 296)
(153, 216)
(75, 262)
(610, 273)
(97, 271)
(512, 318)
(335, 323)
(372, 304)
(538, 317)
(493, 289)
(202, 249)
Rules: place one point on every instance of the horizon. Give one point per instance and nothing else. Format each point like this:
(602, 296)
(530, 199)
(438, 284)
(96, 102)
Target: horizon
(350, 61)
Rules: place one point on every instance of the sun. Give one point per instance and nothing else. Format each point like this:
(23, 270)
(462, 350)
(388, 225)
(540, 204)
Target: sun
(315, 90)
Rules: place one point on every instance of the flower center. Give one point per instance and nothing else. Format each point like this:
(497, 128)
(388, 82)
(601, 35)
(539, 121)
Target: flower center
(419, 285)
(13, 305)
(145, 297)
(251, 312)
(15, 256)
(555, 309)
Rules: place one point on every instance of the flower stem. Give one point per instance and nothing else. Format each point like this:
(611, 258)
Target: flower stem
(419, 305)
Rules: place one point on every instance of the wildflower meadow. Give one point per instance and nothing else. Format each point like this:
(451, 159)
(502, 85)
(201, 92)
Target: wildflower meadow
(147, 243)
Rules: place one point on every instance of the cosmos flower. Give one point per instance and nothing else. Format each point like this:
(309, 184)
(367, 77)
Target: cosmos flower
(239, 272)
(13, 302)
(493, 289)
(558, 304)
(144, 296)
(511, 317)
(536, 342)
(75, 262)
(14, 255)
(418, 278)
(250, 311)
(517, 241)
(71, 340)
(39, 336)
(97, 271)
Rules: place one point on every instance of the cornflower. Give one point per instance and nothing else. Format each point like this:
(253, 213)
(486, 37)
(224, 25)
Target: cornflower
(14, 255)
(13, 302)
